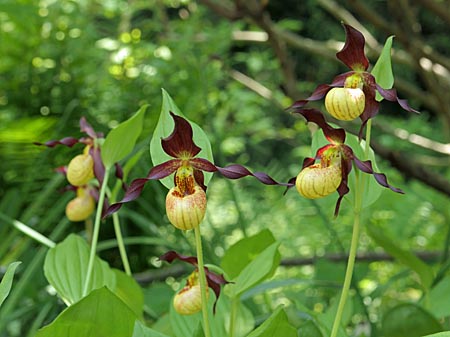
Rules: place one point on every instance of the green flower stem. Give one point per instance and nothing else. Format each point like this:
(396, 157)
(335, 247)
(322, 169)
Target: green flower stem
(121, 244)
(359, 193)
(98, 218)
(233, 314)
(202, 277)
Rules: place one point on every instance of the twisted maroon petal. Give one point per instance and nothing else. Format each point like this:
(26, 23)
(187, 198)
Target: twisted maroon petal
(135, 189)
(172, 255)
(391, 95)
(88, 129)
(99, 168)
(180, 143)
(352, 54)
(67, 141)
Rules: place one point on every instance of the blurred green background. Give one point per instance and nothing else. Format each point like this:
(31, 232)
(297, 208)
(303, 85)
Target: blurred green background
(234, 76)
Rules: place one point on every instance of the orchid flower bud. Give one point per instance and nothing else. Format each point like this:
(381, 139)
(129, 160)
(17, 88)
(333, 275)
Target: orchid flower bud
(186, 202)
(188, 300)
(81, 207)
(80, 169)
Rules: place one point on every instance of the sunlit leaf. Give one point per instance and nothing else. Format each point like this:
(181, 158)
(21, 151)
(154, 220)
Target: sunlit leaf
(409, 320)
(7, 280)
(257, 270)
(276, 325)
(120, 141)
(382, 71)
(65, 268)
(165, 127)
(99, 314)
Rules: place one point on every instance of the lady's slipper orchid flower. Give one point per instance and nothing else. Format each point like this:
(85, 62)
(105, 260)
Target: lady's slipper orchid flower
(186, 201)
(352, 94)
(331, 173)
(188, 300)
(81, 207)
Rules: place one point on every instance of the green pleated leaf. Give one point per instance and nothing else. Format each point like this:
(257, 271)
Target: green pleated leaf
(165, 127)
(257, 270)
(65, 268)
(276, 325)
(140, 330)
(409, 320)
(382, 71)
(403, 256)
(244, 251)
(99, 314)
(129, 291)
(439, 334)
(120, 141)
(7, 280)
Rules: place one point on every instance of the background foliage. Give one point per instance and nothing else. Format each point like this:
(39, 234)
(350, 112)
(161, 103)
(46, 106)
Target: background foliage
(232, 68)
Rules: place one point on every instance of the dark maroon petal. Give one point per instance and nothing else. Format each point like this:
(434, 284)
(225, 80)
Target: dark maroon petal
(315, 116)
(236, 171)
(119, 175)
(67, 141)
(352, 54)
(366, 167)
(320, 92)
(372, 106)
(308, 162)
(203, 164)
(391, 95)
(346, 167)
(99, 168)
(135, 189)
(172, 255)
(179, 143)
(87, 128)
(200, 179)
(215, 282)
(61, 169)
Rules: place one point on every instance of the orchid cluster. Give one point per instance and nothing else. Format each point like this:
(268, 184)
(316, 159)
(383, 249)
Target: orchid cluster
(349, 96)
(81, 171)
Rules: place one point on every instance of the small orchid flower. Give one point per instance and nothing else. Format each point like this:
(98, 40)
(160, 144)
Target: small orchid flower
(330, 174)
(186, 201)
(188, 300)
(352, 94)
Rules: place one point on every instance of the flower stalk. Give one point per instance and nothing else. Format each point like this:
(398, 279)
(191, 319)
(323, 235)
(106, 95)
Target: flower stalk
(202, 279)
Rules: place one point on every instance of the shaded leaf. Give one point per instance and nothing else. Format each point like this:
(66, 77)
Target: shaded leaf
(409, 320)
(120, 141)
(129, 291)
(140, 330)
(7, 280)
(438, 296)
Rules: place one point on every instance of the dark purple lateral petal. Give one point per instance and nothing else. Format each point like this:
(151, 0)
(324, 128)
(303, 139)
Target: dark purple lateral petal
(346, 165)
(180, 143)
(372, 106)
(391, 95)
(315, 116)
(352, 54)
(215, 282)
(119, 175)
(236, 171)
(172, 255)
(61, 169)
(320, 92)
(164, 169)
(67, 141)
(99, 168)
(366, 167)
(203, 164)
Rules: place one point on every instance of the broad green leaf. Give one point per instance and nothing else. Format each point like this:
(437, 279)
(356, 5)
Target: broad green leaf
(309, 329)
(409, 320)
(382, 71)
(438, 297)
(276, 325)
(256, 271)
(140, 330)
(158, 298)
(65, 268)
(7, 280)
(129, 291)
(405, 257)
(244, 251)
(439, 334)
(99, 314)
(165, 127)
(120, 141)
